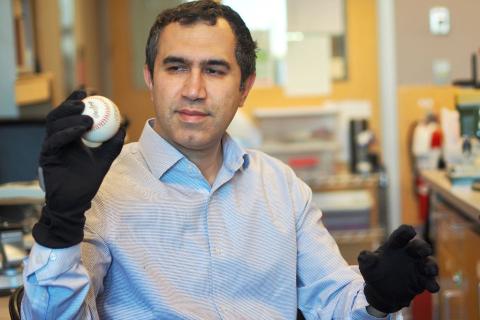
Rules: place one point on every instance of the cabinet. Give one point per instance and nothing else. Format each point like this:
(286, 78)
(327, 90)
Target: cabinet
(455, 231)
(457, 243)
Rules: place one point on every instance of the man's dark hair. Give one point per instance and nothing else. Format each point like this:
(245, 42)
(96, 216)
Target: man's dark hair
(206, 11)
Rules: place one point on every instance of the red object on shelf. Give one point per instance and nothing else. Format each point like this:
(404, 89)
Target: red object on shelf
(423, 198)
(303, 162)
(436, 139)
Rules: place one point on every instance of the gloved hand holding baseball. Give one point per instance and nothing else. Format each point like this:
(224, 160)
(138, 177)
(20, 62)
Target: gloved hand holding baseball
(398, 270)
(70, 172)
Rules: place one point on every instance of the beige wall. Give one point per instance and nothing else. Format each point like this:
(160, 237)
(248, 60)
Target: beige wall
(87, 37)
(91, 47)
(47, 33)
(417, 47)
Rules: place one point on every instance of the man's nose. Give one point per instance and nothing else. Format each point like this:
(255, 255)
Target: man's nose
(194, 86)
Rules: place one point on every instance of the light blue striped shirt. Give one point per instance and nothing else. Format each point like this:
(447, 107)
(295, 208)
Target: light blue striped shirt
(161, 243)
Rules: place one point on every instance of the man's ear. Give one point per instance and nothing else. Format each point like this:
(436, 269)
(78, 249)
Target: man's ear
(147, 77)
(246, 88)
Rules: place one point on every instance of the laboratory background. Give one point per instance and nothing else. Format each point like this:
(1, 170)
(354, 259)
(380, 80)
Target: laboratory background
(373, 103)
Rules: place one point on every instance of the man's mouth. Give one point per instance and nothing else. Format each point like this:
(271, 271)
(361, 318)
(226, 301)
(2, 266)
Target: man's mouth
(192, 116)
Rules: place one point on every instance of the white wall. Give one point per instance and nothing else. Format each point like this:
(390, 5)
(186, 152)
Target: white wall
(8, 109)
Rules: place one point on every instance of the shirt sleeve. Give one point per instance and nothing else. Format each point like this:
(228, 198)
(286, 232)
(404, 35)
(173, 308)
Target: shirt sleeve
(327, 287)
(64, 283)
(55, 284)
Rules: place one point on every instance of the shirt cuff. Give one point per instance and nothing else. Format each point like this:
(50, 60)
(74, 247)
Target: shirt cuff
(376, 313)
(391, 316)
(47, 263)
(362, 304)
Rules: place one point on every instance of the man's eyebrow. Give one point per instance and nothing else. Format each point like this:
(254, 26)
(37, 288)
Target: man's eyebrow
(173, 59)
(217, 62)
(209, 62)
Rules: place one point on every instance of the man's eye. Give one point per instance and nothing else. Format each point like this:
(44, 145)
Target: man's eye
(176, 68)
(214, 71)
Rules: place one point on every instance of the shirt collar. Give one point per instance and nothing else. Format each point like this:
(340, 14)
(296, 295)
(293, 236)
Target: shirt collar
(234, 156)
(158, 153)
(161, 155)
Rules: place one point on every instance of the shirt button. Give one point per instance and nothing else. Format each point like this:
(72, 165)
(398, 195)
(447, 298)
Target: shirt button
(217, 251)
(53, 257)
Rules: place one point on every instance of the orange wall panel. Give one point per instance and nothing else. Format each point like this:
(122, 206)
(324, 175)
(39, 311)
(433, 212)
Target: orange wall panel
(408, 113)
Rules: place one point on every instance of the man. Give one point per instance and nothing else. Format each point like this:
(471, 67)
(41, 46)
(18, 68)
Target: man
(186, 224)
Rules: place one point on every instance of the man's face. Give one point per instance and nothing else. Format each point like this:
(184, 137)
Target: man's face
(196, 84)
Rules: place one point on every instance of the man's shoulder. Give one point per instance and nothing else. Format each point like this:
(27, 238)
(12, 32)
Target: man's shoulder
(129, 152)
(128, 161)
(268, 165)
(257, 156)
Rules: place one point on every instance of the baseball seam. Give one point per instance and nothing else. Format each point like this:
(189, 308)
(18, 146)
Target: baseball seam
(105, 117)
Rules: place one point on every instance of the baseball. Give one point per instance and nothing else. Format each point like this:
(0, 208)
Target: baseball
(106, 120)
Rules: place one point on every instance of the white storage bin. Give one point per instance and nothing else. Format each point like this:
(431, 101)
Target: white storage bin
(303, 137)
(309, 160)
(297, 124)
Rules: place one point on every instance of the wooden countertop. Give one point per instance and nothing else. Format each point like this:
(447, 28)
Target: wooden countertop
(462, 197)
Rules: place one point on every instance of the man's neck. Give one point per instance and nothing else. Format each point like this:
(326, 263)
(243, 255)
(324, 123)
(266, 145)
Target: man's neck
(209, 164)
(207, 161)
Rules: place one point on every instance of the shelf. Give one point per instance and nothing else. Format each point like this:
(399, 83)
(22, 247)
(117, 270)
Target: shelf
(33, 88)
(299, 147)
(375, 235)
(21, 193)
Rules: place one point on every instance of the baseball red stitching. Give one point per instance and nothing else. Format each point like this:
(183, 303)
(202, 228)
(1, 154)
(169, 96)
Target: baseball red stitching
(105, 116)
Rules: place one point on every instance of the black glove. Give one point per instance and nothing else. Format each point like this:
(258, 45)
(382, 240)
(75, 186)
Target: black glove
(70, 172)
(398, 270)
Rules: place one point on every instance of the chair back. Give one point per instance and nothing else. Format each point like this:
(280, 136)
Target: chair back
(15, 302)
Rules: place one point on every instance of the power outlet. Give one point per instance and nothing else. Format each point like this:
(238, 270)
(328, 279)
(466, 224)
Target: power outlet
(440, 20)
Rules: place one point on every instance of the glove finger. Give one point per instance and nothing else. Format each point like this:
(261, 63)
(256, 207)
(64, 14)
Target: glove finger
(400, 237)
(62, 138)
(110, 149)
(68, 122)
(418, 248)
(432, 285)
(367, 261)
(66, 109)
(77, 95)
(429, 267)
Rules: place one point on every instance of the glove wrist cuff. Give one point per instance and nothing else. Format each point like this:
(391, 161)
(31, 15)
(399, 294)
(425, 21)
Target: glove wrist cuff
(59, 230)
(378, 302)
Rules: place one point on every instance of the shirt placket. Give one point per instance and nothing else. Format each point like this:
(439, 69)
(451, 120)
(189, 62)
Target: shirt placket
(217, 254)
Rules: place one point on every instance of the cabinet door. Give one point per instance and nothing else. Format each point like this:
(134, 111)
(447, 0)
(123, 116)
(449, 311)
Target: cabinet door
(457, 242)
(451, 256)
(472, 272)
(452, 296)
